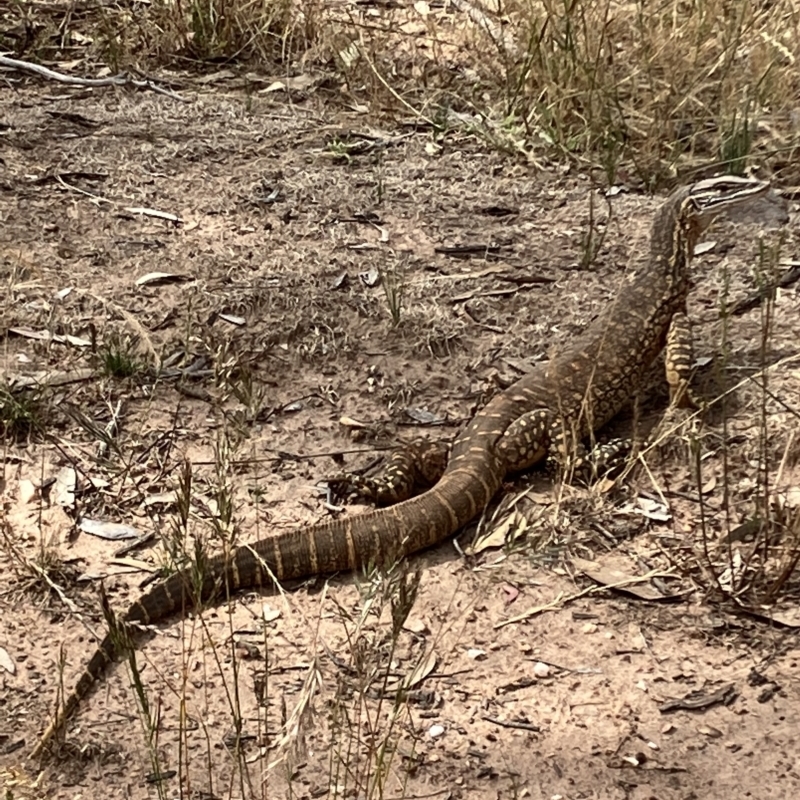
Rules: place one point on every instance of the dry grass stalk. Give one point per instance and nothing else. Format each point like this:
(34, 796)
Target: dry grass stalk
(628, 88)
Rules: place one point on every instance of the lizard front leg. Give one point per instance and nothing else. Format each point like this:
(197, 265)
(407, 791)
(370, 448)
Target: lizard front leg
(678, 362)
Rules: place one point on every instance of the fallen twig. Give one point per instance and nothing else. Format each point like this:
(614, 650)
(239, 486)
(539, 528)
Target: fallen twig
(561, 600)
(96, 198)
(510, 723)
(789, 277)
(121, 79)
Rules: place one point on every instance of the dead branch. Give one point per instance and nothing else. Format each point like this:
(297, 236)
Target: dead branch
(121, 79)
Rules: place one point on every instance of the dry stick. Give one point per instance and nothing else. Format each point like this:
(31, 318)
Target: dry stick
(363, 53)
(42, 573)
(794, 558)
(147, 212)
(787, 451)
(286, 455)
(662, 435)
(561, 600)
(789, 277)
(121, 79)
(510, 723)
(49, 379)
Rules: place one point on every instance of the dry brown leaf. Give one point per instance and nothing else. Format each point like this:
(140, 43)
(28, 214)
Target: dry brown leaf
(6, 662)
(507, 532)
(349, 422)
(63, 491)
(419, 673)
(47, 336)
(151, 278)
(233, 320)
(611, 578)
(133, 563)
(153, 212)
(533, 611)
(107, 530)
(789, 617)
(709, 485)
(268, 613)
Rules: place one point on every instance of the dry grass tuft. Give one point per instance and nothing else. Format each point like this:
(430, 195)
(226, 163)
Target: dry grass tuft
(631, 89)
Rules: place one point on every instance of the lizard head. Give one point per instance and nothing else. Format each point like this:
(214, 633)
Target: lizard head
(690, 209)
(706, 199)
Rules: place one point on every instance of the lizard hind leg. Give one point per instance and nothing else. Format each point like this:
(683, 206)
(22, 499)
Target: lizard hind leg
(533, 438)
(603, 459)
(411, 469)
(527, 440)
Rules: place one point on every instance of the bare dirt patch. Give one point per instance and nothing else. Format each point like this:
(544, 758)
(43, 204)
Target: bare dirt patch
(277, 329)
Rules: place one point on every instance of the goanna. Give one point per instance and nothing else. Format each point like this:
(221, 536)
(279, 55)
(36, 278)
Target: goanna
(553, 406)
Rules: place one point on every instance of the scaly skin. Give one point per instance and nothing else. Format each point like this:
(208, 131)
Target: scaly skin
(551, 407)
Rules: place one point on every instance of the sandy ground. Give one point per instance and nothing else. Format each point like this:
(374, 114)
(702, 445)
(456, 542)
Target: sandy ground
(281, 352)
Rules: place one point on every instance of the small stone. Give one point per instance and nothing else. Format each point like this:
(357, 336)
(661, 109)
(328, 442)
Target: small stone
(268, 613)
(416, 625)
(435, 731)
(27, 491)
(541, 670)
